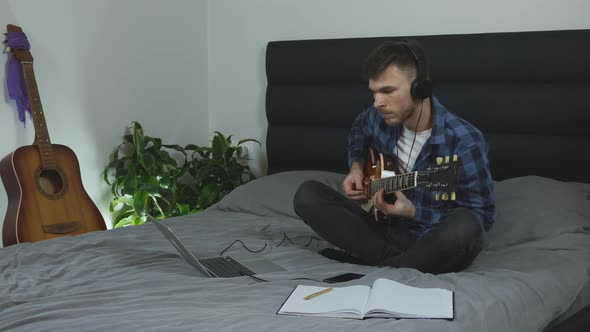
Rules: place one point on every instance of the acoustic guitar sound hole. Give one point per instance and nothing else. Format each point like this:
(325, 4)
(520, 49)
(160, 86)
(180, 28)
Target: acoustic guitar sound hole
(51, 183)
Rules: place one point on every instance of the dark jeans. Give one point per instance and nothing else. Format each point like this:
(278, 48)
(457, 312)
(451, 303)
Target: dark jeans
(451, 245)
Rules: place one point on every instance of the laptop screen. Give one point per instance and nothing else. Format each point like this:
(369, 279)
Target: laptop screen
(180, 247)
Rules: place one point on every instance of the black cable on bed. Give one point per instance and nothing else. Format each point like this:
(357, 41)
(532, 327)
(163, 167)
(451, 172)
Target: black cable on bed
(311, 238)
(242, 273)
(285, 237)
(307, 279)
(264, 280)
(242, 243)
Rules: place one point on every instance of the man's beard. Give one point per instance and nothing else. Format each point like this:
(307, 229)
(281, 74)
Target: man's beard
(404, 116)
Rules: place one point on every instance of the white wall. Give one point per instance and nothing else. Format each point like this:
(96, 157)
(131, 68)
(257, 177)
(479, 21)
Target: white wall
(239, 31)
(101, 64)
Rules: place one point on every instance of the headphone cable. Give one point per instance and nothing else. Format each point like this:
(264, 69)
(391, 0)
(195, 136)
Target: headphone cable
(414, 140)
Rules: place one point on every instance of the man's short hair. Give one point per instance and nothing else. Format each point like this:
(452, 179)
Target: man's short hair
(397, 53)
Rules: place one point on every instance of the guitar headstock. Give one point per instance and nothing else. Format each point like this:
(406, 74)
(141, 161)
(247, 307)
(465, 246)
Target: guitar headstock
(442, 178)
(21, 53)
(13, 28)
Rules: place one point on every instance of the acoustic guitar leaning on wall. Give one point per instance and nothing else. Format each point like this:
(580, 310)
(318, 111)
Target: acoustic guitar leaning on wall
(46, 198)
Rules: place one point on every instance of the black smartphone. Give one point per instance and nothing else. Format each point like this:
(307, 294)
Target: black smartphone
(343, 277)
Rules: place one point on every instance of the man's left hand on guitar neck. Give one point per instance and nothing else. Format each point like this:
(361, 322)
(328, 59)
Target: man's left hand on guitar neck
(402, 207)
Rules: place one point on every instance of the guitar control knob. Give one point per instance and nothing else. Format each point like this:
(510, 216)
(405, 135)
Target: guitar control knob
(445, 197)
(437, 196)
(453, 196)
(439, 160)
(455, 157)
(447, 159)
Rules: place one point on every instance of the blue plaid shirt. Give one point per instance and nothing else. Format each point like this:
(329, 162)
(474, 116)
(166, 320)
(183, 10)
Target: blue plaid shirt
(450, 135)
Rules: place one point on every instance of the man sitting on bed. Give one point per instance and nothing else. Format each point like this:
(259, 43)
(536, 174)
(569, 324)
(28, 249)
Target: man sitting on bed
(409, 124)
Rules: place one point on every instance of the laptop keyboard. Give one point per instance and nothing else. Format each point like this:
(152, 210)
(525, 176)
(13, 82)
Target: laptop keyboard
(225, 267)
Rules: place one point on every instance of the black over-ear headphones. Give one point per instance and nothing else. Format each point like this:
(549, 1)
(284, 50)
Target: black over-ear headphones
(421, 86)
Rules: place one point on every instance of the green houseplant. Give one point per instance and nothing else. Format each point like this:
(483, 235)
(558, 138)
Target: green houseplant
(166, 180)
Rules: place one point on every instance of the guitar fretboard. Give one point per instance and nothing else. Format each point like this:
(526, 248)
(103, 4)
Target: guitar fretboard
(41, 132)
(395, 183)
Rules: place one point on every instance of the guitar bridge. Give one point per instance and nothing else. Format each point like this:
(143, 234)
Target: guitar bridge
(62, 228)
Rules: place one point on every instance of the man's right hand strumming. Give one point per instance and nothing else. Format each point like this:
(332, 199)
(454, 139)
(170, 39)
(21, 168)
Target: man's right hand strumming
(353, 183)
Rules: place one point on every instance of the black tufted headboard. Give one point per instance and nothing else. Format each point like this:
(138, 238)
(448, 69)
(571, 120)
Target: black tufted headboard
(527, 91)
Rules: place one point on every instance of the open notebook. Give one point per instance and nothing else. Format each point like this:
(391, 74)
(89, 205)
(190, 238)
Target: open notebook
(386, 299)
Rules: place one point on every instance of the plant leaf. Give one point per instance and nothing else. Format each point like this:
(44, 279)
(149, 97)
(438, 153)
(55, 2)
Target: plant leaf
(146, 175)
(140, 201)
(248, 140)
(208, 196)
(125, 200)
(218, 146)
(124, 218)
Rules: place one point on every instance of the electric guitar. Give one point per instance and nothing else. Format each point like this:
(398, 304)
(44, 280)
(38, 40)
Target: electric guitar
(379, 174)
(46, 198)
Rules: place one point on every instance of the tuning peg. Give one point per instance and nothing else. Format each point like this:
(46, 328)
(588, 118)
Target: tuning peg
(453, 196)
(439, 160)
(455, 157)
(445, 197)
(447, 159)
(7, 49)
(437, 196)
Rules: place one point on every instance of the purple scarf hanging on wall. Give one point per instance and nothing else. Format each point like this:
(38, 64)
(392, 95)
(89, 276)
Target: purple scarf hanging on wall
(15, 80)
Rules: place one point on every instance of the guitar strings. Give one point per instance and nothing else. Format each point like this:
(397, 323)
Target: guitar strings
(403, 181)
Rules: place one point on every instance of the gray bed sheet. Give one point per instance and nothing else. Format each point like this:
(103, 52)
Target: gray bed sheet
(535, 263)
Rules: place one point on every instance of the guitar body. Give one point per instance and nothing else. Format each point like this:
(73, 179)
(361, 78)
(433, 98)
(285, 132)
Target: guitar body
(45, 203)
(378, 166)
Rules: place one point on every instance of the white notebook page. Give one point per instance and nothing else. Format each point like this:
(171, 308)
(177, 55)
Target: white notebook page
(343, 299)
(411, 301)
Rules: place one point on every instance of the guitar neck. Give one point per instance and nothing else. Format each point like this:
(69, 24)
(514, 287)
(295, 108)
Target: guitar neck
(41, 132)
(395, 183)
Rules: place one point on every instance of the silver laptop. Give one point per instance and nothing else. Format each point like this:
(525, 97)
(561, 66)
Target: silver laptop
(218, 266)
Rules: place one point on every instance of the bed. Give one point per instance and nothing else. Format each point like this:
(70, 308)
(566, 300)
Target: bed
(524, 90)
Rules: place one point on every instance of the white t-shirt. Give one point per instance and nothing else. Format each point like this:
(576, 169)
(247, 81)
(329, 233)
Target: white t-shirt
(405, 143)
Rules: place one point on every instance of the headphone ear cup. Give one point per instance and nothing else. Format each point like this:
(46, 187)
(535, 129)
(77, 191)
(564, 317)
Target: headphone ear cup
(421, 89)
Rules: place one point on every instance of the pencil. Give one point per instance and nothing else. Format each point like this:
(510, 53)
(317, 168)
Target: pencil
(312, 295)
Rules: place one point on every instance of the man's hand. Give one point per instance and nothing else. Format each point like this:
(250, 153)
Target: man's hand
(402, 207)
(353, 183)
